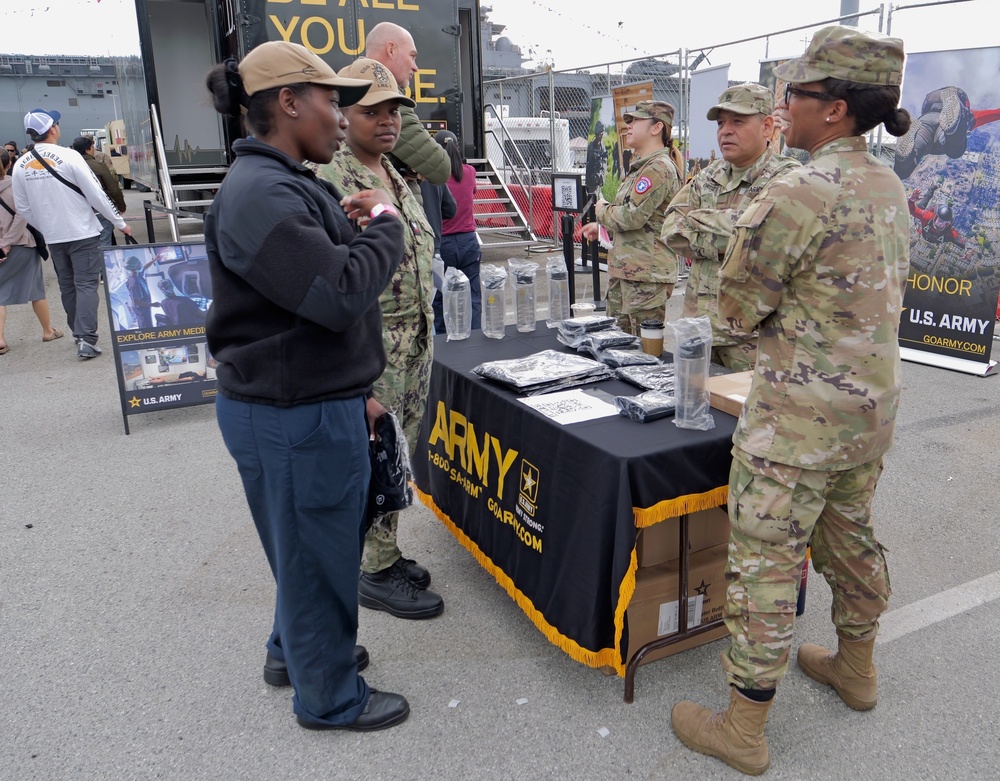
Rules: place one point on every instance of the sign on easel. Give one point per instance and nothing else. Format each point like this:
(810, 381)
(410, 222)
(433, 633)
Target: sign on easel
(158, 297)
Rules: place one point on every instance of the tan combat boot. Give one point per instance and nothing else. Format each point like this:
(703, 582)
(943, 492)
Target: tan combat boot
(735, 735)
(850, 671)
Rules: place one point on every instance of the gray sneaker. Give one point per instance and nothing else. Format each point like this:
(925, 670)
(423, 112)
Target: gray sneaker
(85, 351)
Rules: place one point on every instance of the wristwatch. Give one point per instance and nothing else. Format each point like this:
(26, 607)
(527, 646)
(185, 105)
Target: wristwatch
(382, 208)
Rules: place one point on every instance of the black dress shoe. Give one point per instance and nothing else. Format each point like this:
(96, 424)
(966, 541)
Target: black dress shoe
(383, 710)
(417, 575)
(390, 590)
(276, 671)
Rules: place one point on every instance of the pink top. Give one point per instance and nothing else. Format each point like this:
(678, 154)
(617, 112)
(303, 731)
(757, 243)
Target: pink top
(464, 191)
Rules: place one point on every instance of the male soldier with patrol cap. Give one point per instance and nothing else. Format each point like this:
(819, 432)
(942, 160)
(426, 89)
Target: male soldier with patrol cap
(700, 219)
(641, 276)
(817, 262)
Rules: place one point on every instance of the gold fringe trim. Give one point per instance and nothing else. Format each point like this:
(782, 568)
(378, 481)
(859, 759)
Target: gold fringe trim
(605, 657)
(671, 508)
(625, 593)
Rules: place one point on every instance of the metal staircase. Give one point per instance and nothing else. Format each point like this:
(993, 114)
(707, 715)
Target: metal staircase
(499, 220)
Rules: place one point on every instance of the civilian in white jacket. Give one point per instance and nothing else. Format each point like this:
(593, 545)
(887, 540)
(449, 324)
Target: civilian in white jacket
(66, 219)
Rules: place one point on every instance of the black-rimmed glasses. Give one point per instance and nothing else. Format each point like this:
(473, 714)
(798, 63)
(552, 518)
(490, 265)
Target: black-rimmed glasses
(790, 90)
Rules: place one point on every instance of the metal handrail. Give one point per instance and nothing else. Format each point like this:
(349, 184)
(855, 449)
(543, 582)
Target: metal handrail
(515, 170)
(166, 186)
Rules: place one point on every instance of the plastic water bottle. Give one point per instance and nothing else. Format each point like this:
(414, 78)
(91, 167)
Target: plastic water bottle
(558, 292)
(690, 377)
(524, 293)
(457, 305)
(493, 280)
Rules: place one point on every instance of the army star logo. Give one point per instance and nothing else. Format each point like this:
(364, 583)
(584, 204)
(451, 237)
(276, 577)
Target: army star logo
(702, 590)
(529, 481)
(134, 403)
(643, 184)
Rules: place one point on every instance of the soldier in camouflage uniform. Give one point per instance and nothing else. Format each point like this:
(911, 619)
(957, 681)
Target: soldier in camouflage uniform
(699, 221)
(389, 581)
(641, 274)
(818, 261)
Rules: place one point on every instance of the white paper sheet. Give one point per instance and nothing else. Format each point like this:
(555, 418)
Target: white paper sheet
(571, 406)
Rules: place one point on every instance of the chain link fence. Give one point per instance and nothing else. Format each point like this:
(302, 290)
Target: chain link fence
(551, 120)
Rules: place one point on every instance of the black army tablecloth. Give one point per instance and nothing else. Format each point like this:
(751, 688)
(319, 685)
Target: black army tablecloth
(551, 511)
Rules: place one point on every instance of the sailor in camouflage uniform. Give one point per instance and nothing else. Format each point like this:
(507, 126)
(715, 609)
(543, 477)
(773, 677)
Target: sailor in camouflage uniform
(641, 274)
(818, 261)
(389, 581)
(699, 221)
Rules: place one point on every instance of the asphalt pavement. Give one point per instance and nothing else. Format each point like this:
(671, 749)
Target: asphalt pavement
(135, 602)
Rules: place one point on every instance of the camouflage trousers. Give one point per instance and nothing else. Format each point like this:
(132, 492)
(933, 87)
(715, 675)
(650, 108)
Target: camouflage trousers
(402, 388)
(740, 357)
(776, 512)
(633, 302)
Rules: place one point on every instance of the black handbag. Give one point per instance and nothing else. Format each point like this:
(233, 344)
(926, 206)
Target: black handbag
(389, 490)
(40, 247)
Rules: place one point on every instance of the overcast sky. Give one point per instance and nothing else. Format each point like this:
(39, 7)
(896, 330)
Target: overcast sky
(569, 33)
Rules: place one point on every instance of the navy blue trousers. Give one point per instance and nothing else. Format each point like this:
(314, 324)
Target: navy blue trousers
(305, 471)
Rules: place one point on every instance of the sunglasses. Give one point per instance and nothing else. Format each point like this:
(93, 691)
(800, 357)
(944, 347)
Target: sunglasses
(790, 90)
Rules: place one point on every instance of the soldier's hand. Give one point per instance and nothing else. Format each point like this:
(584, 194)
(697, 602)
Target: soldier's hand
(359, 205)
(373, 411)
(591, 231)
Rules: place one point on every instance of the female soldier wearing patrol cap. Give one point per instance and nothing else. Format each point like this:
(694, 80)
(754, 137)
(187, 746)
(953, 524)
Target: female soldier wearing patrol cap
(641, 273)
(818, 262)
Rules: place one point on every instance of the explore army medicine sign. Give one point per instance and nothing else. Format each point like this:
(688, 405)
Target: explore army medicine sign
(950, 166)
(158, 297)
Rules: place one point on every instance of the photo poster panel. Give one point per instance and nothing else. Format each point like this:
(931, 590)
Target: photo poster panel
(769, 79)
(602, 175)
(949, 162)
(624, 99)
(158, 296)
(706, 86)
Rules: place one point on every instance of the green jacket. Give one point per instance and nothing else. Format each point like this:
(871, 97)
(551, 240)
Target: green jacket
(417, 149)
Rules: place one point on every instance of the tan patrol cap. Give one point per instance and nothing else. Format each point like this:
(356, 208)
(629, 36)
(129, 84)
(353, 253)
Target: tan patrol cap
(846, 53)
(280, 63)
(659, 110)
(744, 99)
(383, 83)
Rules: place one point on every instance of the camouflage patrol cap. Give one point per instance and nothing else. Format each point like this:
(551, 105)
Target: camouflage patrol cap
(846, 53)
(744, 99)
(659, 110)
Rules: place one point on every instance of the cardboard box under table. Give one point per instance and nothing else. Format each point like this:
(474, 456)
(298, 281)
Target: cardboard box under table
(652, 612)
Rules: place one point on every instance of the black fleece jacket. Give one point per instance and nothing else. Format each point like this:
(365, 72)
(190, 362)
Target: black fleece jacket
(295, 317)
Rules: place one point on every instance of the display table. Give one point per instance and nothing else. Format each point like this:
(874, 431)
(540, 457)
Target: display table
(551, 511)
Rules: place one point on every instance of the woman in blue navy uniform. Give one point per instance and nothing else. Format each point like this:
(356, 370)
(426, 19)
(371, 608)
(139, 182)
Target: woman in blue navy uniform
(296, 328)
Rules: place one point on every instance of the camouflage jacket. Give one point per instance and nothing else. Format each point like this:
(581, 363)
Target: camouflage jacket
(699, 223)
(818, 261)
(406, 302)
(635, 219)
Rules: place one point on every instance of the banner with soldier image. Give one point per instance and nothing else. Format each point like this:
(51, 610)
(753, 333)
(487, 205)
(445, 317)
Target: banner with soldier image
(602, 173)
(158, 296)
(949, 162)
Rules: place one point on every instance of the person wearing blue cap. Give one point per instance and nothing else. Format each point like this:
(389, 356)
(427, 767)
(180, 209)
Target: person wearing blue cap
(57, 193)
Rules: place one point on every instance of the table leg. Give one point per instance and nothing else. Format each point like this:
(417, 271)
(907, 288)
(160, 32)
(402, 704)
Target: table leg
(682, 618)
